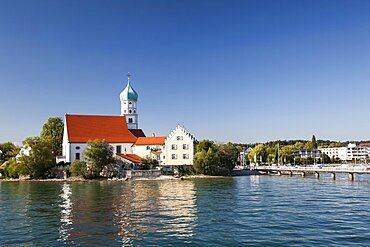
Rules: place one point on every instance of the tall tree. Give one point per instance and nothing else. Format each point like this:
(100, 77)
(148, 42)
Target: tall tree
(98, 154)
(205, 145)
(9, 150)
(314, 142)
(40, 159)
(52, 131)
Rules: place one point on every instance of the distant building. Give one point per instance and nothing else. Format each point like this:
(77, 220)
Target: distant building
(150, 147)
(179, 149)
(350, 153)
(307, 153)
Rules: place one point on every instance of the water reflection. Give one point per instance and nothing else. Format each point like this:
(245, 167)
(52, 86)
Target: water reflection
(66, 212)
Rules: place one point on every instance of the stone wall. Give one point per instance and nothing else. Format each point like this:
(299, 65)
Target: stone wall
(134, 174)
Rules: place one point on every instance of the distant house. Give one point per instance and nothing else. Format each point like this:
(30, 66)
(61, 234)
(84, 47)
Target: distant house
(150, 147)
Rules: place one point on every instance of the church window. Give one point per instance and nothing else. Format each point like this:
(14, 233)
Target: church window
(130, 120)
(77, 147)
(129, 111)
(134, 111)
(130, 103)
(118, 149)
(124, 111)
(77, 156)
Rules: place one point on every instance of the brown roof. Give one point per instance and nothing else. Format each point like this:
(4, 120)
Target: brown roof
(131, 157)
(154, 140)
(113, 129)
(137, 132)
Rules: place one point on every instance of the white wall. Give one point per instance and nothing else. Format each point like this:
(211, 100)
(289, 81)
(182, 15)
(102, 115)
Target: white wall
(144, 151)
(74, 148)
(178, 137)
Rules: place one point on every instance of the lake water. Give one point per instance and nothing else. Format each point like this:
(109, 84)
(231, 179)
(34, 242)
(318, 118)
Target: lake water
(253, 210)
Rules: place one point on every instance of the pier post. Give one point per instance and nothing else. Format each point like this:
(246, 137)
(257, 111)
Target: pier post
(303, 174)
(351, 176)
(317, 174)
(279, 173)
(290, 173)
(333, 175)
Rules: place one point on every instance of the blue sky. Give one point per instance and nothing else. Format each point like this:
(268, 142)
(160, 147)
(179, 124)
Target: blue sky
(241, 71)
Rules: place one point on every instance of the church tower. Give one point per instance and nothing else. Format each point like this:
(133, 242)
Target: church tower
(128, 99)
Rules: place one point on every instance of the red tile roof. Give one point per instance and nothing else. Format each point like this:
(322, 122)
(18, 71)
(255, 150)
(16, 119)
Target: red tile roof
(137, 132)
(113, 129)
(154, 140)
(365, 144)
(131, 157)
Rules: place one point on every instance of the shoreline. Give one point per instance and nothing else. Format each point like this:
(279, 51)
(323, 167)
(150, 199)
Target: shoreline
(80, 179)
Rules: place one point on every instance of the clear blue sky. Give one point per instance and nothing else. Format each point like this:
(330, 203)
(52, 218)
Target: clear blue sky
(242, 71)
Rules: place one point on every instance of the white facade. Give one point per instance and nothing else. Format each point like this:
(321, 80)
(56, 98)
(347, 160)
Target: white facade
(337, 153)
(179, 148)
(146, 151)
(351, 152)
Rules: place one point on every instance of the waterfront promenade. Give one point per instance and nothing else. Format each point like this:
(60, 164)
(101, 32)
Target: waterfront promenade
(316, 170)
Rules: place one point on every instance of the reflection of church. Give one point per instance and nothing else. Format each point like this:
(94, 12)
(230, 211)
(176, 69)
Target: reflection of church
(123, 133)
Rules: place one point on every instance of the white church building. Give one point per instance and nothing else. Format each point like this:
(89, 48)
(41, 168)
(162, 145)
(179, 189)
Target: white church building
(127, 139)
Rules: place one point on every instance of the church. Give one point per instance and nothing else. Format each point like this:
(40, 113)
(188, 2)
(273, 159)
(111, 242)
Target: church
(128, 141)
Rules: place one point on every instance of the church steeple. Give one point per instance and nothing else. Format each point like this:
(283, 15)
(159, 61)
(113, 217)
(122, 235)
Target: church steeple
(128, 99)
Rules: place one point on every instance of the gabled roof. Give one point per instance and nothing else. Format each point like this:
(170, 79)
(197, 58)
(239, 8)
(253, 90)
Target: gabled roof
(365, 144)
(154, 140)
(113, 129)
(130, 157)
(137, 132)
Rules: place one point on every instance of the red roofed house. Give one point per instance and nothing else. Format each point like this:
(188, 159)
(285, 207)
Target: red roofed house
(150, 147)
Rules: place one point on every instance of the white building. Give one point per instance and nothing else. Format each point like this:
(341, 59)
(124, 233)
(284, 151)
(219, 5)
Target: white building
(128, 141)
(150, 147)
(350, 153)
(179, 149)
(336, 153)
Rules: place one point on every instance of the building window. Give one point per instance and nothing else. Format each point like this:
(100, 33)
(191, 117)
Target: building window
(147, 147)
(77, 156)
(130, 120)
(78, 147)
(185, 146)
(174, 156)
(134, 111)
(185, 156)
(179, 138)
(130, 103)
(118, 149)
(129, 111)
(124, 111)
(173, 146)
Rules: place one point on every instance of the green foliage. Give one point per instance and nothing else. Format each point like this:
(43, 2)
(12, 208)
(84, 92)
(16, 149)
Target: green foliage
(78, 168)
(98, 154)
(204, 145)
(14, 169)
(9, 150)
(41, 158)
(257, 152)
(148, 163)
(52, 131)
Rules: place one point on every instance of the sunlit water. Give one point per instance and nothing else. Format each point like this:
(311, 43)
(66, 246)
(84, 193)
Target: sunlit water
(254, 210)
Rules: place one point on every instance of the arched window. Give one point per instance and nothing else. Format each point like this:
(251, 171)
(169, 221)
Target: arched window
(129, 111)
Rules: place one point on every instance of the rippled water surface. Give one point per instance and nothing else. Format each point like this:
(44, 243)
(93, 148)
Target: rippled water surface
(254, 210)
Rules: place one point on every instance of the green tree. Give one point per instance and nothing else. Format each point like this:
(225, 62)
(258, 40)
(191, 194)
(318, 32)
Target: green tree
(98, 154)
(52, 131)
(205, 145)
(41, 158)
(258, 151)
(314, 142)
(149, 163)
(207, 162)
(9, 150)
(228, 156)
(78, 168)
